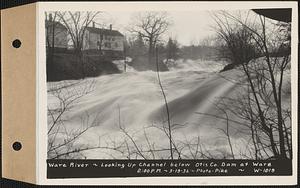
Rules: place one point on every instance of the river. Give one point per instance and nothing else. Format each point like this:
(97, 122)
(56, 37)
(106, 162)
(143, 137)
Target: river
(134, 102)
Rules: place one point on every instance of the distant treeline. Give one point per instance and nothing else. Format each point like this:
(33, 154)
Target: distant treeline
(171, 50)
(199, 52)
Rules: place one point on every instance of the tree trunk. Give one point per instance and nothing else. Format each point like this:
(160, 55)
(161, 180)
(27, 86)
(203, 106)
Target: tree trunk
(150, 52)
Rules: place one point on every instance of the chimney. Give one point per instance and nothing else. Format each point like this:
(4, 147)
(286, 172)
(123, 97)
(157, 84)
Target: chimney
(94, 24)
(110, 26)
(50, 17)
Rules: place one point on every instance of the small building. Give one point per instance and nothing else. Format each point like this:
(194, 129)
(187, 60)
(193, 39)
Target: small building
(56, 34)
(107, 42)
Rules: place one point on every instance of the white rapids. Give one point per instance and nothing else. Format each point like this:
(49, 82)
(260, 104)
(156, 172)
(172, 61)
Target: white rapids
(134, 100)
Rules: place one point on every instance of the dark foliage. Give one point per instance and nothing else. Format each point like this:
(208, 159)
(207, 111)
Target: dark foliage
(66, 67)
(228, 67)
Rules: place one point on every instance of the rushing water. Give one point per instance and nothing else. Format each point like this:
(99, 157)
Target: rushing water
(133, 100)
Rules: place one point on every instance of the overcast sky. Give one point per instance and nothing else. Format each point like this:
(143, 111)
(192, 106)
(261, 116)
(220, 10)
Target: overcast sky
(188, 26)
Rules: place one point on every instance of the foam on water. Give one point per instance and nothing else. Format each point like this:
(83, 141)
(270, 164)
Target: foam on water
(134, 99)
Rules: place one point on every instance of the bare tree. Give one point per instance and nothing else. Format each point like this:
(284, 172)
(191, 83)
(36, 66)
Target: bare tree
(169, 133)
(150, 26)
(131, 148)
(52, 31)
(76, 24)
(61, 139)
(265, 76)
(207, 41)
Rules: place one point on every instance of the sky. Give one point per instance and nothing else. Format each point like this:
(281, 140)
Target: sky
(188, 27)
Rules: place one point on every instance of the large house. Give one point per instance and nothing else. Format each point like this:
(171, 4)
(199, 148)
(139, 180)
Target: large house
(106, 42)
(96, 41)
(56, 34)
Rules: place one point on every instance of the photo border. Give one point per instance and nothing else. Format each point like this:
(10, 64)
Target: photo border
(171, 6)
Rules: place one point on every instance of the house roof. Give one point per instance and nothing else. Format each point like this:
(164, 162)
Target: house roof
(56, 23)
(104, 31)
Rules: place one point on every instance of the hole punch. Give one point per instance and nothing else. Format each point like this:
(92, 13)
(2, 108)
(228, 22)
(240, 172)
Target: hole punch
(17, 146)
(16, 43)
